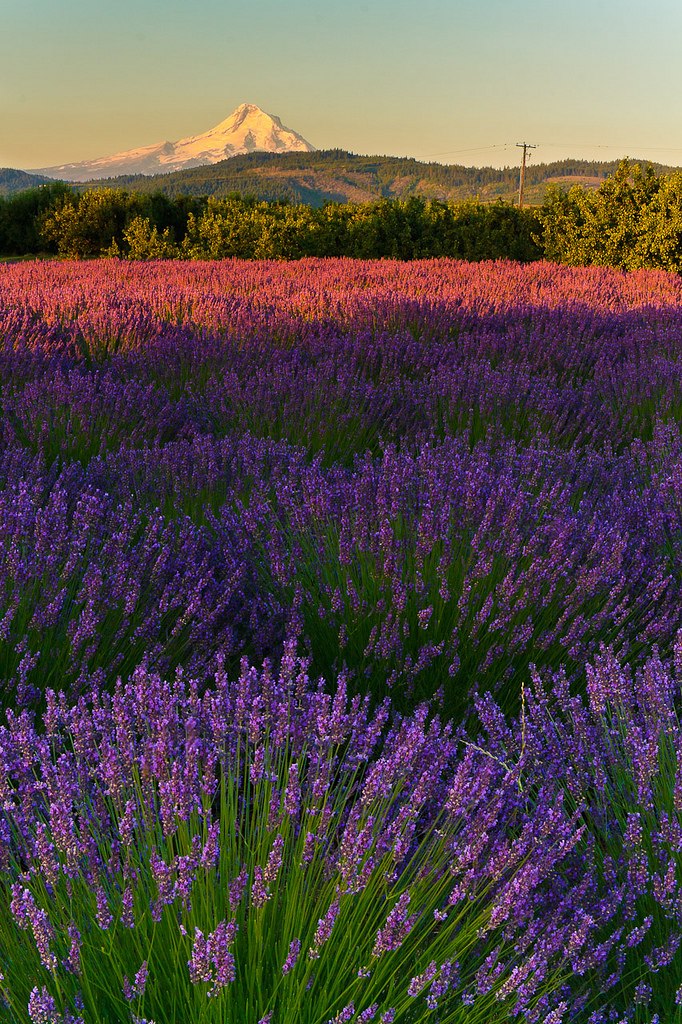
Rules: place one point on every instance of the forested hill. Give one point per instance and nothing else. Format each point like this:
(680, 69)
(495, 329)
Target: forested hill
(12, 181)
(314, 178)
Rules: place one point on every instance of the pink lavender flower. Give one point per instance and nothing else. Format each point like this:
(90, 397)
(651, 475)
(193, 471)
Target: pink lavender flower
(274, 861)
(260, 894)
(127, 911)
(420, 981)
(557, 1015)
(292, 795)
(73, 960)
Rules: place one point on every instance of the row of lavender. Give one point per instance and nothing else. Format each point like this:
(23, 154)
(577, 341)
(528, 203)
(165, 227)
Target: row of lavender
(435, 487)
(443, 569)
(428, 478)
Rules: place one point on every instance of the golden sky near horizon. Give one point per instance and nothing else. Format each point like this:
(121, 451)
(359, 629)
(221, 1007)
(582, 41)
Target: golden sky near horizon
(448, 80)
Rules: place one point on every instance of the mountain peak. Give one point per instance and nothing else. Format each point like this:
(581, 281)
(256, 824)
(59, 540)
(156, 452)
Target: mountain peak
(254, 115)
(248, 129)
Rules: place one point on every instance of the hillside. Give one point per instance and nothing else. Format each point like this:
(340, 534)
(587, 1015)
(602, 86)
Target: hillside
(336, 175)
(13, 181)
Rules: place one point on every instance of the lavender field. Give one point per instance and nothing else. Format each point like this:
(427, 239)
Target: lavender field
(340, 643)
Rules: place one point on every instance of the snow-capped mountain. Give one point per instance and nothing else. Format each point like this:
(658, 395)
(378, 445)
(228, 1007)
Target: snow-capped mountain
(248, 129)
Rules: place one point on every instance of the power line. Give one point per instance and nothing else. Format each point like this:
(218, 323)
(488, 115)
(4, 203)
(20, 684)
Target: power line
(472, 149)
(556, 145)
(622, 148)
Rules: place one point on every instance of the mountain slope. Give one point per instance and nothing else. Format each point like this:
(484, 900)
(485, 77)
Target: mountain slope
(248, 129)
(339, 176)
(12, 181)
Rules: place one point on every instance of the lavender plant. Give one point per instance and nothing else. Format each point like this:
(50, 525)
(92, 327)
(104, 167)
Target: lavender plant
(617, 754)
(268, 851)
(89, 588)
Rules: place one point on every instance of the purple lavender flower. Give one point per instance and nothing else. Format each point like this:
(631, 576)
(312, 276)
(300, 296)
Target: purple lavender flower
(235, 889)
(324, 929)
(420, 981)
(292, 956)
(344, 1015)
(29, 915)
(42, 1008)
(396, 929)
(212, 961)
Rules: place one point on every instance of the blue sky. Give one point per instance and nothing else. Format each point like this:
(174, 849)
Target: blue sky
(457, 81)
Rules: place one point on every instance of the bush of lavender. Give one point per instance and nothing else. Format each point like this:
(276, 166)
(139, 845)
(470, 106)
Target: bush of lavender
(91, 587)
(453, 569)
(268, 851)
(616, 754)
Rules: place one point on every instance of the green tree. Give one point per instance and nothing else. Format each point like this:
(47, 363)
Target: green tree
(492, 231)
(659, 241)
(20, 217)
(142, 240)
(226, 229)
(633, 220)
(89, 227)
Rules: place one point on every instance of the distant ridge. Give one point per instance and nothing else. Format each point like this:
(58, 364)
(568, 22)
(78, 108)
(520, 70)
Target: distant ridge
(248, 129)
(12, 180)
(336, 175)
(339, 176)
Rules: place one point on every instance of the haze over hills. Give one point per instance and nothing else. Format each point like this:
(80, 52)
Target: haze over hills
(248, 129)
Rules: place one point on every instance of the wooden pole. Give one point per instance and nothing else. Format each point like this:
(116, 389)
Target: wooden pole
(522, 177)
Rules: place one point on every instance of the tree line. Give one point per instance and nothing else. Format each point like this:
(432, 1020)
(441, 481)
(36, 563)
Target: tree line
(633, 220)
(55, 220)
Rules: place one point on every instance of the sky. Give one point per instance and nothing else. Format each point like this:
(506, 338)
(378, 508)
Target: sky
(456, 81)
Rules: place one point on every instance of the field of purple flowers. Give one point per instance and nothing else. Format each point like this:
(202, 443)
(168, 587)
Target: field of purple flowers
(340, 643)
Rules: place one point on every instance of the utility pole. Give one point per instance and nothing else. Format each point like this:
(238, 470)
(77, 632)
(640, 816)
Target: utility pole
(522, 176)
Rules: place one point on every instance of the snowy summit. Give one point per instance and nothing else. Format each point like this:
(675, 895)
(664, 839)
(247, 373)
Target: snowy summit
(248, 129)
